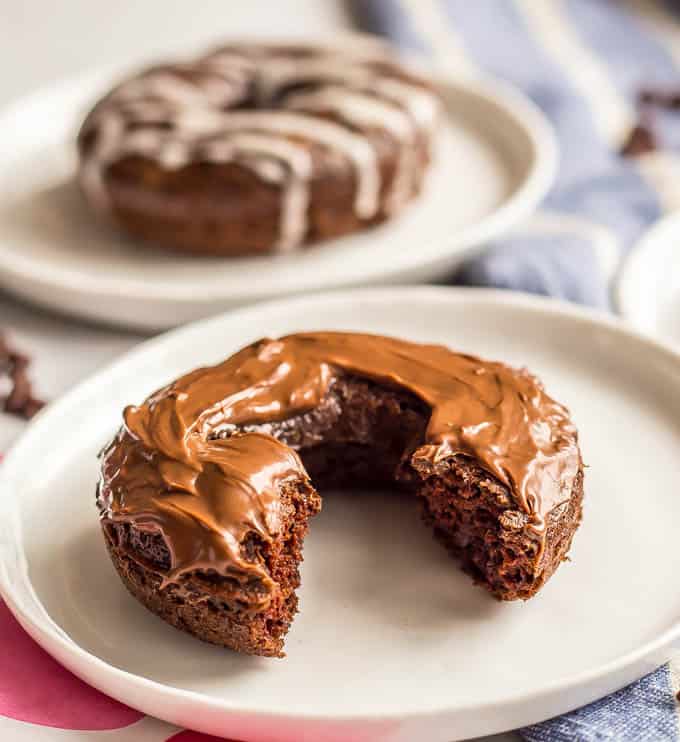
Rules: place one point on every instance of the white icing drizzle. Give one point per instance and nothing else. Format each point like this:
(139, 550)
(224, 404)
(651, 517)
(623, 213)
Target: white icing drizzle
(354, 147)
(275, 160)
(163, 85)
(179, 115)
(354, 107)
(110, 131)
(421, 104)
(418, 101)
(362, 110)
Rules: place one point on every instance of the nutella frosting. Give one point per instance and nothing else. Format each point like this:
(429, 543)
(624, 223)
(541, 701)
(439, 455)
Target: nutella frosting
(183, 466)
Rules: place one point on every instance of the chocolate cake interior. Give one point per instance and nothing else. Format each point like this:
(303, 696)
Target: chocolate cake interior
(362, 436)
(224, 610)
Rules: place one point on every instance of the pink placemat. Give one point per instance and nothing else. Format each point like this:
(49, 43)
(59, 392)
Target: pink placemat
(38, 692)
(38, 696)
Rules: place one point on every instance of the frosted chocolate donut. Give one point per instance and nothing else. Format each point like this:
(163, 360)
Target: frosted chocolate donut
(207, 491)
(257, 148)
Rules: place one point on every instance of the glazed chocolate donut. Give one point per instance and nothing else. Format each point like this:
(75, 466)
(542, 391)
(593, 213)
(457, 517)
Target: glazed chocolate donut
(206, 491)
(256, 148)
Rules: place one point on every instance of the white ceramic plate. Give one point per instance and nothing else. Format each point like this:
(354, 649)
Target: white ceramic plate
(495, 161)
(648, 287)
(393, 642)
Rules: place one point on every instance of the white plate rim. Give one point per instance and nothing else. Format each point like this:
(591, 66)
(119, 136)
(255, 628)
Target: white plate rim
(540, 138)
(619, 671)
(640, 268)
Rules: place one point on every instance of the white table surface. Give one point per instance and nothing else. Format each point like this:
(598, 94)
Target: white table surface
(42, 42)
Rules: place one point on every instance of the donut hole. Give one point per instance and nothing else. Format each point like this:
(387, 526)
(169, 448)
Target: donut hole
(364, 435)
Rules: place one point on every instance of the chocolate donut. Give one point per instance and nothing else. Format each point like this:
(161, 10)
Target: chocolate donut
(256, 148)
(206, 491)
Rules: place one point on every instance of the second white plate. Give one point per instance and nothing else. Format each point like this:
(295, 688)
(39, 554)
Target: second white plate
(648, 286)
(393, 642)
(495, 161)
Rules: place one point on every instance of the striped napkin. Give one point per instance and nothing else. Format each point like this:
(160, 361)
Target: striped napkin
(595, 68)
(603, 72)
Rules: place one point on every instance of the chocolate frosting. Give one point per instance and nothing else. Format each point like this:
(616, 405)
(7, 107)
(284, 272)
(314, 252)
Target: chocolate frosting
(182, 464)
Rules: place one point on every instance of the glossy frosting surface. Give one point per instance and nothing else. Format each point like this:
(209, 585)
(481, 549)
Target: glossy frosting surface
(167, 470)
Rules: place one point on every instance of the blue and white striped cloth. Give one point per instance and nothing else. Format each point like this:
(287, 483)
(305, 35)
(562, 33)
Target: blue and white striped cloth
(583, 62)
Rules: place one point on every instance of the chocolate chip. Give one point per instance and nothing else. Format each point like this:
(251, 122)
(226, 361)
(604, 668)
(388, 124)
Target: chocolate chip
(640, 141)
(14, 366)
(669, 99)
(32, 407)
